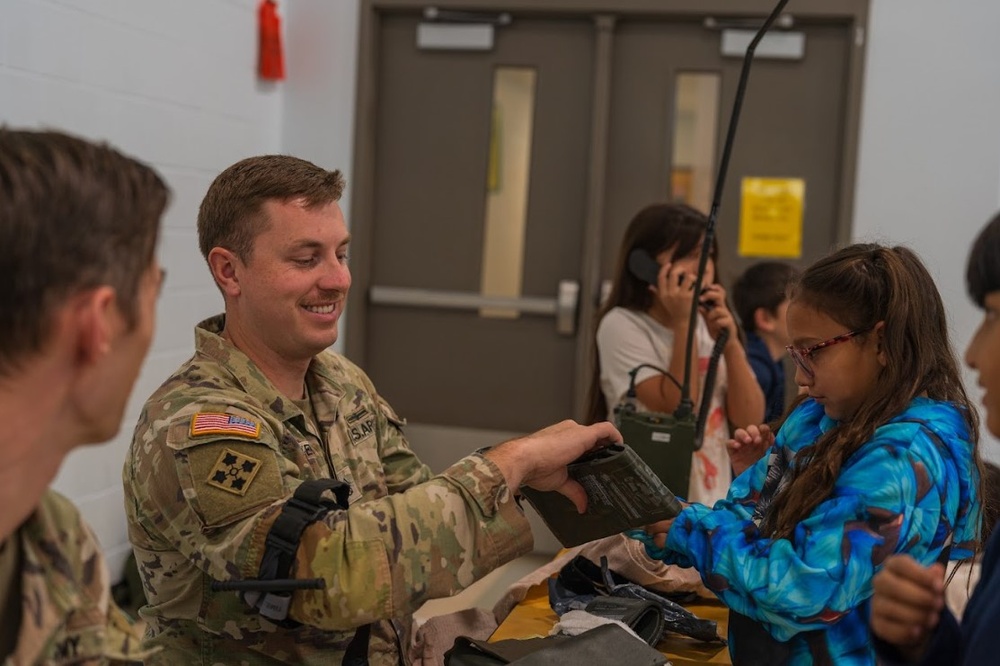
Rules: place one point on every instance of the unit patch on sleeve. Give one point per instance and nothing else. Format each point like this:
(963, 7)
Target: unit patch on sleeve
(233, 472)
(215, 423)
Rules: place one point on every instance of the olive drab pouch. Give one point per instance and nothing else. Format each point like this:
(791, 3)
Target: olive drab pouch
(622, 493)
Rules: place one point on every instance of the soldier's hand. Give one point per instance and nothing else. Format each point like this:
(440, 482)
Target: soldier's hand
(539, 460)
(906, 604)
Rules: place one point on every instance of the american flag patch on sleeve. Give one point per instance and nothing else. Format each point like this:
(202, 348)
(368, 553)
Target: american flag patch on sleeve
(215, 423)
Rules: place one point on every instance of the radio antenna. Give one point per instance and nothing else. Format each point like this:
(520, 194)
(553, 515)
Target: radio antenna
(686, 406)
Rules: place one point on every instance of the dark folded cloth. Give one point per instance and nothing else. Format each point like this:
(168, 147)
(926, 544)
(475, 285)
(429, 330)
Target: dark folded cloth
(641, 616)
(581, 581)
(607, 644)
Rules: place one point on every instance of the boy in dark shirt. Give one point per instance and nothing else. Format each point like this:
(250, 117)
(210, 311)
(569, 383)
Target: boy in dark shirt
(759, 297)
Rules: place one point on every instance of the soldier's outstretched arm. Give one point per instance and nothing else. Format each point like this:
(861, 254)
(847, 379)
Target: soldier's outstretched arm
(379, 558)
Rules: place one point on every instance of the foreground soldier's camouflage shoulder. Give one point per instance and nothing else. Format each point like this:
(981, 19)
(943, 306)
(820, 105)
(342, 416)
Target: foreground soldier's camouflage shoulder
(67, 615)
(215, 455)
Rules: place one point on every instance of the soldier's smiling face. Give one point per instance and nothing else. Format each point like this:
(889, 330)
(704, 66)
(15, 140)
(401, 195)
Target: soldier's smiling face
(294, 285)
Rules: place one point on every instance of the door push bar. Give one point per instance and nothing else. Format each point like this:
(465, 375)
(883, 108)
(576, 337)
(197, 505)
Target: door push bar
(563, 307)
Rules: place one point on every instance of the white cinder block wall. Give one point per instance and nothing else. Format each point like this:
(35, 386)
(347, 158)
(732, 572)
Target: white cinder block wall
(929, 168)
(174, 84)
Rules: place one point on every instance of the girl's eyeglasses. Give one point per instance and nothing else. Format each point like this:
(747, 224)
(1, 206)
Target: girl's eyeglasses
(803, 355)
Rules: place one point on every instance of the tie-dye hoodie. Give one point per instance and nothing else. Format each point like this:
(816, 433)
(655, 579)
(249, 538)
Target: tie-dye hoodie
(912, 488)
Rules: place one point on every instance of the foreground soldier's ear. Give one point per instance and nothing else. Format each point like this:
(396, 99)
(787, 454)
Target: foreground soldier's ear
(92, 318)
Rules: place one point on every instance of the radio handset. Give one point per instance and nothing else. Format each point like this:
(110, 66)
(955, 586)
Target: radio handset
(643, 266)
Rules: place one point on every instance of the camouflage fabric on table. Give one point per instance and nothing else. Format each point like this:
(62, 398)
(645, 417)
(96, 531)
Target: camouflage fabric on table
(67, 616)
(217, 452)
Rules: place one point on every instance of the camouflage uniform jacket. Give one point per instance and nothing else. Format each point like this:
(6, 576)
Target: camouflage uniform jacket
(216, 454)
(67, 615)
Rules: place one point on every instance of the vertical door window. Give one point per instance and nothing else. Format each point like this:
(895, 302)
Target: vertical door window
(507, 177)
(696, 117)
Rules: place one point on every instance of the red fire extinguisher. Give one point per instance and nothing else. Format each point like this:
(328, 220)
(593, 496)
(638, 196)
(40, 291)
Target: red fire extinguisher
(270, 60)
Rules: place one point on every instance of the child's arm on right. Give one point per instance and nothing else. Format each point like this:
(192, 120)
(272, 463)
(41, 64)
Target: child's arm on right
(906, 605)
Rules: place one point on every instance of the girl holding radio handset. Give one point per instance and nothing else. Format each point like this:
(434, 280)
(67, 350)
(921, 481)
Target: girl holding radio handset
(878, 457)
(645, 322)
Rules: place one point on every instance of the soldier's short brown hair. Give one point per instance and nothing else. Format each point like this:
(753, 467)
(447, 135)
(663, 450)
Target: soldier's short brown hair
(73, 215)
(231, 214)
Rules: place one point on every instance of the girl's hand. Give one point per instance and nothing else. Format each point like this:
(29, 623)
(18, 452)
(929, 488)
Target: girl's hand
(659, 530)
(675, 291)
(749, 445)
(712, 303)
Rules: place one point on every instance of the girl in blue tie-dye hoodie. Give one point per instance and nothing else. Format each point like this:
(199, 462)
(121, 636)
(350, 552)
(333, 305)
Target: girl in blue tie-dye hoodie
(878, 457)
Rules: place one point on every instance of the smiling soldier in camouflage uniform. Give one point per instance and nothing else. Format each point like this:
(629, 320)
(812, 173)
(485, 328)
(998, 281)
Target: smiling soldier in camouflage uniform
(78, 231)
(260, 409)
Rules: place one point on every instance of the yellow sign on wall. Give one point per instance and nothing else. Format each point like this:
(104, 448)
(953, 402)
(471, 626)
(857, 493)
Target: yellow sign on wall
(771, 217)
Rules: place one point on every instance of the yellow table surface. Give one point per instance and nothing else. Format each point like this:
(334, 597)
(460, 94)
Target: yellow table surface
(534, 617)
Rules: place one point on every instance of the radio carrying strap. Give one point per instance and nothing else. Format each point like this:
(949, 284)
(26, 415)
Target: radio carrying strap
(306, 506)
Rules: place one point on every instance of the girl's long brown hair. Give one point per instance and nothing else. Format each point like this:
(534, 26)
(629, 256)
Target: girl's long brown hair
(655, 228)
(858, 287)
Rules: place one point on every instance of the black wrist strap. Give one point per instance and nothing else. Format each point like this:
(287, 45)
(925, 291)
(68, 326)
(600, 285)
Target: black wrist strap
(306, 506)
(271, 592)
